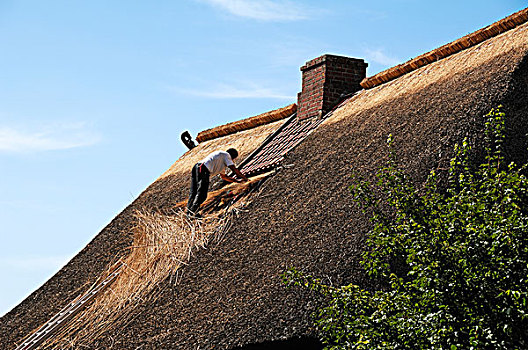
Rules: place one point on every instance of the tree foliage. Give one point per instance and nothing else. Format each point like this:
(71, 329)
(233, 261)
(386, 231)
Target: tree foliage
(451, 260)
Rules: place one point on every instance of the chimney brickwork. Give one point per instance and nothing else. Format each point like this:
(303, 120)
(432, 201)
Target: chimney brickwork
(325, 80)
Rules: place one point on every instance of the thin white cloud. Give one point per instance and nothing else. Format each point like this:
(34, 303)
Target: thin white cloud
(379, 56)
(33, 263)
(47, 138)
(263, 10)
(225, 91)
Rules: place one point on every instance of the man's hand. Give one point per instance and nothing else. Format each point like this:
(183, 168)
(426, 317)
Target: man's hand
(229, 178)
(238, 173)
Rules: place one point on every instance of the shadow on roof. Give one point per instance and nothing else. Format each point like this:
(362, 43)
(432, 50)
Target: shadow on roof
(304, 343)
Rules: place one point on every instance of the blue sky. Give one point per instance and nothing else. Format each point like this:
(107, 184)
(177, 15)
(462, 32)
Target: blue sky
(94, 95)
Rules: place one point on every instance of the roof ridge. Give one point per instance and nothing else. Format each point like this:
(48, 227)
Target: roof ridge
(472, 39)
(247, 123)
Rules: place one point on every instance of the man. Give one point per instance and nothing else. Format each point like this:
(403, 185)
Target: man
(215, 163)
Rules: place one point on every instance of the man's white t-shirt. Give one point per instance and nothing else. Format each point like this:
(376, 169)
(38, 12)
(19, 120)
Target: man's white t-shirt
(216, 162)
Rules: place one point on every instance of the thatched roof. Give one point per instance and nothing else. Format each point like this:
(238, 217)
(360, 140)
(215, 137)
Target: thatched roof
(230, 294)
(446, 50)
(246, 124)
(112, 242)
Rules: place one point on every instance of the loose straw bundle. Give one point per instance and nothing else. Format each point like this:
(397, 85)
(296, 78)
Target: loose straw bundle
(162, 244)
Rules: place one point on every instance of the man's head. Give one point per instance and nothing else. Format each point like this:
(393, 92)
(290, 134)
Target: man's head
(233, 153)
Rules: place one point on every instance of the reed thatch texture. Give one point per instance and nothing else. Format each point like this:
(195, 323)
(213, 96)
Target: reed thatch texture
(111, 243)
(232, 296)
(162, 244)
(449, 49)
(219, 198)
(173, 185)
(244, 141)
(248, 123)
(471, 58)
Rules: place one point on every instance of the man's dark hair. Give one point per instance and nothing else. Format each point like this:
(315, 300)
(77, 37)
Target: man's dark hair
(233, 153)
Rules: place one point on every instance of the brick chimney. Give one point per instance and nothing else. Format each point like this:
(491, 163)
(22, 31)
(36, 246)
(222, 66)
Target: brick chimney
(325, 80)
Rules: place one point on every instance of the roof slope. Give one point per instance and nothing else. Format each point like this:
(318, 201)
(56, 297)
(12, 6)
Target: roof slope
(272, 152)
(246, 124)
(231, 294)
(75, 277)
(446, 50)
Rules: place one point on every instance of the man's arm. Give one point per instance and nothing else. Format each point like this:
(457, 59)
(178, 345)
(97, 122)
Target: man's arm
(237, 172)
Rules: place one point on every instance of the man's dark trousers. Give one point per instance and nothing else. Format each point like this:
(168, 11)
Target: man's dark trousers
(199, 187)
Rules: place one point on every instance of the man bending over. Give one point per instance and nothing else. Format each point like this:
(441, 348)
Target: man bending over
(215, 163)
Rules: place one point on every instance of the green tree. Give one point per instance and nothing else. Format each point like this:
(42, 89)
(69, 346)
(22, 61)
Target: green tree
(451, 261)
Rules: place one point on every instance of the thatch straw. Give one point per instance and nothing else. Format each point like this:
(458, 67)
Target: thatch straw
(245, 142)
(162, 244)
(307, 219)
(434, 73)
(248, 123)
(449, 49)
(218, 199)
